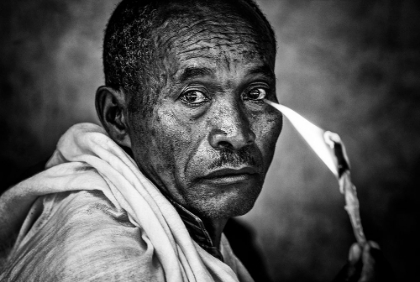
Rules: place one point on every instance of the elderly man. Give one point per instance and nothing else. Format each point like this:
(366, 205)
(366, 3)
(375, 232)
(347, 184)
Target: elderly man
(186, 142)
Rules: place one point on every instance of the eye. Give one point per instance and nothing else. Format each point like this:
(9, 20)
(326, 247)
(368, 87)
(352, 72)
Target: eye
(255, 94)
(194, 97)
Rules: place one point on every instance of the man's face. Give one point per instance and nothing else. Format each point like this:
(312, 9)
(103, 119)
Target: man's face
(210, 138)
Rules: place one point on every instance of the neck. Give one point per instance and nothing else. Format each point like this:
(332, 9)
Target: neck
(205, 231)
(215, 228)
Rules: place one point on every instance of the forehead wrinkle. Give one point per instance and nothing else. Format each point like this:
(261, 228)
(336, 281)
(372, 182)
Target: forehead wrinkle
(198, 56)
(175, 35)
(185, 27)
(219, 24)
(189, 25)
(217, 43)
(224, 35)
(241, 42)
(239, 48)
(191, 35)
(209, 30)
(225, 55)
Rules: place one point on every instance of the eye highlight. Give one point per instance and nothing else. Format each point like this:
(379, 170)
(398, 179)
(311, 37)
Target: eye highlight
(194, 97)
(255, 94)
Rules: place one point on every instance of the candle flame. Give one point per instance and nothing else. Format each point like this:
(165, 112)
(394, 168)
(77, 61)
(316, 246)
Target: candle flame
(329, 147)
(318, 139)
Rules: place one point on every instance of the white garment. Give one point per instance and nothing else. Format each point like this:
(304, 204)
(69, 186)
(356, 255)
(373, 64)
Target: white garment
(87, 159)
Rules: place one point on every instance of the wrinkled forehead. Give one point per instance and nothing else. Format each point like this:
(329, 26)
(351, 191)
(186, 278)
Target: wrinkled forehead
(215, 32)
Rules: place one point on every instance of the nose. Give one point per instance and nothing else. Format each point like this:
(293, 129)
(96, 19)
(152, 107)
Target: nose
(231, 128)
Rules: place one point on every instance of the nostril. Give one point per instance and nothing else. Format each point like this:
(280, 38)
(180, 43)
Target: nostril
(224, 145)
(251, 137)
(237, 139)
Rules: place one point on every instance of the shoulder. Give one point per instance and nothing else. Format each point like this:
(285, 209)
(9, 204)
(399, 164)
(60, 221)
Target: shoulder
(81, 236)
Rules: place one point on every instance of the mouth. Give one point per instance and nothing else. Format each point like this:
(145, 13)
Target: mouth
(228, 176)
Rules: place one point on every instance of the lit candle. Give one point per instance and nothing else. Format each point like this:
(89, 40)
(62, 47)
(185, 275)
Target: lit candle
(329, 147)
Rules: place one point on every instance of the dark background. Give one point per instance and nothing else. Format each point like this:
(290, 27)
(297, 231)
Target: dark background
(352, 67)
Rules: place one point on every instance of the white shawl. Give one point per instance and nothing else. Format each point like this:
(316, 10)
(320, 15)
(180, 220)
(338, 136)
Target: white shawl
(118, 177)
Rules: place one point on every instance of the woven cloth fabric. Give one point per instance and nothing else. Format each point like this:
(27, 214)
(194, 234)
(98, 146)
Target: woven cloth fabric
(92, 215)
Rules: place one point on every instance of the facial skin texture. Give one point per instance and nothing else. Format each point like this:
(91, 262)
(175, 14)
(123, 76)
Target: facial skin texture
(181, 143)
(208, 139)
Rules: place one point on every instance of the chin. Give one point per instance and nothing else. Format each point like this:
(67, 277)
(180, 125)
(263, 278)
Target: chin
(230, 203)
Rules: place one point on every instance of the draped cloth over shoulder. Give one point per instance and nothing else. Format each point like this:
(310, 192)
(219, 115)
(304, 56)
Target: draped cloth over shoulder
(87, 159)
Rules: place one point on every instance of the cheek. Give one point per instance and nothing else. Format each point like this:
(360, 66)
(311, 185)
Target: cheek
(267, 129)
(173, 139)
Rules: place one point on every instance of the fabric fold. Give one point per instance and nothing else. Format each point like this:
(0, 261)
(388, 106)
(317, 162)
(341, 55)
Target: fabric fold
(87, 159)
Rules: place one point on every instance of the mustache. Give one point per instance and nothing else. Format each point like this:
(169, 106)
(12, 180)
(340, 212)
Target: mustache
(228, 157)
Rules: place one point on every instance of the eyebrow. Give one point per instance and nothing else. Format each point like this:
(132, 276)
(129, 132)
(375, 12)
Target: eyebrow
(193, 72)
(265, 70)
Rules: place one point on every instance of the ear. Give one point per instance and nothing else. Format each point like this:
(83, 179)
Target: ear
(111, 107)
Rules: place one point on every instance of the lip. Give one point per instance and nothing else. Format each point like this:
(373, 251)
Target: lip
(227, 176)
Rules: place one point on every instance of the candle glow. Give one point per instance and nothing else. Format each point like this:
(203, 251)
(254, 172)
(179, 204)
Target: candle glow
(329, 147)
